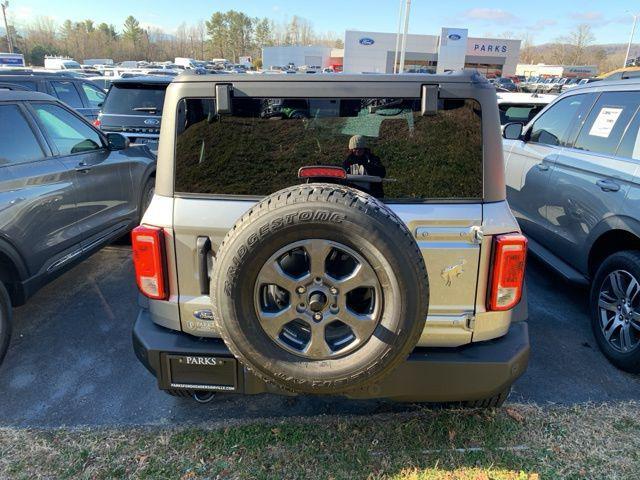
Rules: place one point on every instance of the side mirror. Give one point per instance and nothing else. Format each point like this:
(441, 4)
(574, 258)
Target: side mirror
(512, 131)
(117, 141)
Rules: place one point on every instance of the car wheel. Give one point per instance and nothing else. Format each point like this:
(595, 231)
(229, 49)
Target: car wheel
(320, 289)
(615, 309)
(5, 321)
(147, 196)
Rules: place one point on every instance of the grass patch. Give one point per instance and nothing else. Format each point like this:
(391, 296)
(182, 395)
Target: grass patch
(517, 442)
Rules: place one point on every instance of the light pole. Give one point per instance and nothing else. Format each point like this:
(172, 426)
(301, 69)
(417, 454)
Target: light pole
(633, 31)
(5, 5)
(403, 48)
(400, 15)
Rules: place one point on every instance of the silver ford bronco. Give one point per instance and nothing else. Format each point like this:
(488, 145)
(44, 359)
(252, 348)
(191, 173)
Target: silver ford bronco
(335, 235)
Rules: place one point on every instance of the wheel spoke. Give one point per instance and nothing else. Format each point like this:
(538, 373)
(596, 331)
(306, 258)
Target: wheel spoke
(361, 325)
(272, 322)
(632, 289)
(318, 251)
(317, 346)
(272, 274)
(610, 328)
(616, 284)
(363, 276)
(607, 305)
(625, 337)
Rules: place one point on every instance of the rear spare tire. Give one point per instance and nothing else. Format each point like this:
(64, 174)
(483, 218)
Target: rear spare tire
(321, 289)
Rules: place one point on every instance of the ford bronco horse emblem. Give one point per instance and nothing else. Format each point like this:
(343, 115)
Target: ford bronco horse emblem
(453, 271)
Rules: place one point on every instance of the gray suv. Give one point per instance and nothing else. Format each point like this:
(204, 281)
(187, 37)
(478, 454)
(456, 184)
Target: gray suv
(573, 182)
(336, 234)
(66, 189)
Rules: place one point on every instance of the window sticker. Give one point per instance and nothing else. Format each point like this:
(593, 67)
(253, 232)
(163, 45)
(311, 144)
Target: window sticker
(605, 122)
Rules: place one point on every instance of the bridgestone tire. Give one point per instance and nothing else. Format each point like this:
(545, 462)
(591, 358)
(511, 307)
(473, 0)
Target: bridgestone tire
(338, 214)
(5, 321)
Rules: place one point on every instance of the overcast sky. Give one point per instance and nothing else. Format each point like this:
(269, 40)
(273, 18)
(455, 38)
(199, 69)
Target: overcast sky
(544, 20)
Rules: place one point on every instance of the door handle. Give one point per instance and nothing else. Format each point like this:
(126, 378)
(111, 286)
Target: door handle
(83, 168)
(203, 249)
(542, 167)
(608, 185)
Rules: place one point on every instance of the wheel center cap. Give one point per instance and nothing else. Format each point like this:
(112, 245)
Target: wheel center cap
(317, 301)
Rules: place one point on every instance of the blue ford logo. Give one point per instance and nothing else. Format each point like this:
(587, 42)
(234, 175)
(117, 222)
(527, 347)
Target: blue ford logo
(151, 121)
(454, 36)
(366, 41)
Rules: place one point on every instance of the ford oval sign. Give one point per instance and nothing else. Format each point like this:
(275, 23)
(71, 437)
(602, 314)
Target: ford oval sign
(454, 36)
(366, 41)
(151, 121)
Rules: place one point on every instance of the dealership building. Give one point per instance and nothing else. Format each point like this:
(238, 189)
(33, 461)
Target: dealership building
(375, 52)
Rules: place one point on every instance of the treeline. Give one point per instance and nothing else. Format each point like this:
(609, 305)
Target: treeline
(228, 35)
(576, 48)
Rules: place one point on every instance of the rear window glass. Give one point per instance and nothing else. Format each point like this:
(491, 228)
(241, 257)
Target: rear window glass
(518, 113)
(135, 99)
(385, 145)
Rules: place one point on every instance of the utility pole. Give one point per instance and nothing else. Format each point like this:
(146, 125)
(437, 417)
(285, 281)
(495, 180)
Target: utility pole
(633, 31)
(403, 51)
(5, 5)
(398, 35)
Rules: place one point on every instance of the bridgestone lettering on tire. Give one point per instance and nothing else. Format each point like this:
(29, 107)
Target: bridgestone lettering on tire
(320, 288)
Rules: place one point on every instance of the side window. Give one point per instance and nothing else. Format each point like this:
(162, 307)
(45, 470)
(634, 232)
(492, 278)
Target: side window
(631, 74)
(29, 85)
(69, 133)
(67, 92)
(553, 127)
(607, 122)
(18, 144)
(630, 145)
(94, 95)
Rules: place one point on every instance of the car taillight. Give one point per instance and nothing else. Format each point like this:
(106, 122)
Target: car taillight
(149, 261)
(97, 123)
(507, 276)
(322, 172)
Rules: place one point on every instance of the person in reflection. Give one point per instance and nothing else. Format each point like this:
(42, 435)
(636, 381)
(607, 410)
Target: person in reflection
(361, 161)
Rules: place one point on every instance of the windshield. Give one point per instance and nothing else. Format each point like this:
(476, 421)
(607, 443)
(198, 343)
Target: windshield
(135, 99)
(71, 65)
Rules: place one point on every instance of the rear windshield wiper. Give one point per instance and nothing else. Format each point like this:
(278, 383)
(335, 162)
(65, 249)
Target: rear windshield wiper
(146, 109)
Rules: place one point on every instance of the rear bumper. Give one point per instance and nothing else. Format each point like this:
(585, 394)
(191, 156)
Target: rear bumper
(471, 372)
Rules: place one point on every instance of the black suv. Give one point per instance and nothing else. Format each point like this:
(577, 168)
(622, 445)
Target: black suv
(80, 94)
(133, 107)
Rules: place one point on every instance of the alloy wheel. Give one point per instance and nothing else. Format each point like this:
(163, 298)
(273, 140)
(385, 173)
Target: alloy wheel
(318, 299)
(619, 307)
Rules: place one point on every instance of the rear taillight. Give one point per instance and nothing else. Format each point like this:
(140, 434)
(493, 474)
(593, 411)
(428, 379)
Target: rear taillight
(507, 276)
(149, 261)
(97, 123)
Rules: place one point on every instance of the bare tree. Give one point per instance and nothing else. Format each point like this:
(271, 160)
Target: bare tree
(580, 39)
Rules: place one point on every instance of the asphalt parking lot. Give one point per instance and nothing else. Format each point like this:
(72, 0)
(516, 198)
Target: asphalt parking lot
(71, 362)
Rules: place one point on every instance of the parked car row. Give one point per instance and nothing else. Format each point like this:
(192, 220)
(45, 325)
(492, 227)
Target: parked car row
(67, 187)
(131, 105)
(79, 93)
